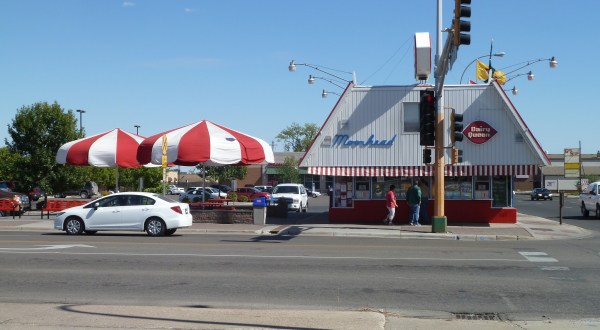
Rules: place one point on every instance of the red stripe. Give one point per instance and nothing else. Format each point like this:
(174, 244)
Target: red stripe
(126, 150)
(78, 153)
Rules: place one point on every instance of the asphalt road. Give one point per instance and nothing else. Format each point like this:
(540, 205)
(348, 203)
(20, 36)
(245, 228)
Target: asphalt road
(550, 209)
(515, 279)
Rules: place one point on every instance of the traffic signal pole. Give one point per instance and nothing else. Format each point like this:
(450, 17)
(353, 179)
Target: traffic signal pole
(439, 221)
(443, 59)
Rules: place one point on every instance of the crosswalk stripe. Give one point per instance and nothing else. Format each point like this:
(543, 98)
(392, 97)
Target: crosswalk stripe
(537, 257)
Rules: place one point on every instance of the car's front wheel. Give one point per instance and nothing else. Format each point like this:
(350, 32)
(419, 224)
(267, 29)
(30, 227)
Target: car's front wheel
(74, 226)
(155, 227)
(584, 211)
(597, 211)
(305, 207)
(83, 194)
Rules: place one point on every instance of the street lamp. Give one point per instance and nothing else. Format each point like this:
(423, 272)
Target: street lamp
(325, 93)
(323, 69)
(552, 62)
(498, 54)
(81, 112)
(137, 129)
(311, 81)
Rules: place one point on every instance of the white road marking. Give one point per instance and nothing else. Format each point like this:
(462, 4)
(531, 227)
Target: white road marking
(554, 268)
(46, 247)
(256, 256)
(537, 257)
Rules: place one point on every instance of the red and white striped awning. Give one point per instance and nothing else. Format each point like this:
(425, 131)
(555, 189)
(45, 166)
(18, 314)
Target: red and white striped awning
(450, 170)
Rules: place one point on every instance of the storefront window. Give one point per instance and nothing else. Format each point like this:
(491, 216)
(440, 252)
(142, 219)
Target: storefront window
(458, 187)
(500, 191)
(482, 187)
(362, 187)
(378, 184)
(382, 185)
(343, 192)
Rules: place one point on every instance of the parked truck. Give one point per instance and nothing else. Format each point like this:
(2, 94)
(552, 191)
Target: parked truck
(590, 200)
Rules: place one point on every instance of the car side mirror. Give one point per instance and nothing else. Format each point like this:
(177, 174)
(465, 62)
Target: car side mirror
(96, 205)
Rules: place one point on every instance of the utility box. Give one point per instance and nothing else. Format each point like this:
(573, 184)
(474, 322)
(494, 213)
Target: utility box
(259, 207)
(422, 55)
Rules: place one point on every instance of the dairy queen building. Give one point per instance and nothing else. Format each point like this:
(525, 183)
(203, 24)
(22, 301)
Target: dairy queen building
(370, 141)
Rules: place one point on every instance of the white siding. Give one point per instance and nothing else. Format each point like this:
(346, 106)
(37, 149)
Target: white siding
(378, 111)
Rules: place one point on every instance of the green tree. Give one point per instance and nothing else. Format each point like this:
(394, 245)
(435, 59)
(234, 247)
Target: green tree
(289, 170)
(36, 133)
(298, 138)
(223, 173)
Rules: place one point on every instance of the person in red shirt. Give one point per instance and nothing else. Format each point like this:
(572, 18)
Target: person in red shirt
(390, 203)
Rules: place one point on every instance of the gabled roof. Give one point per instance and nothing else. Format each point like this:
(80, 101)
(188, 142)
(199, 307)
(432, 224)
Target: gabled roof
(381, 110)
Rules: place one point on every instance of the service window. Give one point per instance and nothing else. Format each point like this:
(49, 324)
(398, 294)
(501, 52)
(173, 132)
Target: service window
(458, 187)
(482, 187)
(343, 192)
(362, 187)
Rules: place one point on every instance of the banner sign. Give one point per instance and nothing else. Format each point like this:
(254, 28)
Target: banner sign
(572, 162)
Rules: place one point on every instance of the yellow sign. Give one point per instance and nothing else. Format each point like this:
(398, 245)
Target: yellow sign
(164, 151)
(571, 166)
(572, 162)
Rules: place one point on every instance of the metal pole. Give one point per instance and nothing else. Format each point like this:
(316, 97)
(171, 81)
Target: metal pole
(439, 220)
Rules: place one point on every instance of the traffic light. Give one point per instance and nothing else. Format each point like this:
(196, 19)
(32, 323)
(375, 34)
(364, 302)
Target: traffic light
(426, 156)
(456, 126)
(457, 155)
(427, 111)
(462, 9)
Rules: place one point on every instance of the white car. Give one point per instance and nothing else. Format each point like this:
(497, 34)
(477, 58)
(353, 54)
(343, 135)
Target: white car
(294, 194)
(312, 193)
(195, 194)
(174, 190)
(131, 211)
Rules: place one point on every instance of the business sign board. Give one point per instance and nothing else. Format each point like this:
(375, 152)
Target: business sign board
(572, 162)
(479, 132)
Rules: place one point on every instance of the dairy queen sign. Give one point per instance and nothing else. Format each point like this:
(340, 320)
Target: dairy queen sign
(479, 132)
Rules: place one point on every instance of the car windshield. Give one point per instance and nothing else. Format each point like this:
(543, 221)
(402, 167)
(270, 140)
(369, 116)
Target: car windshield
(286, 190)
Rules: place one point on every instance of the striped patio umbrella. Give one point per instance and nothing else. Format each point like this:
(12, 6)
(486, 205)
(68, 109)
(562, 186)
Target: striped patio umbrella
(204, 143)
(115, 148)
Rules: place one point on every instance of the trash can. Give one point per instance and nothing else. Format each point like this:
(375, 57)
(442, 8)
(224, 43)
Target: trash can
(259, 207)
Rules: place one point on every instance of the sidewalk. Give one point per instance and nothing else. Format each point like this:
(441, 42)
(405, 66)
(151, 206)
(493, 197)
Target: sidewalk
(70, 316)
(526, 228)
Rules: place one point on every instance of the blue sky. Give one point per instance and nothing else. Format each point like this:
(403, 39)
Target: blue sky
(165, 64)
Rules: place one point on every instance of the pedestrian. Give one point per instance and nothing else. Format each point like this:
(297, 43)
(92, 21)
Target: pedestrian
(413, 198)
(425, 195)
(390, 203)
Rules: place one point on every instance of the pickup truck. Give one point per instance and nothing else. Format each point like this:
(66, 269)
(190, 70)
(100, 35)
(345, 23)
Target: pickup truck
(590, 199)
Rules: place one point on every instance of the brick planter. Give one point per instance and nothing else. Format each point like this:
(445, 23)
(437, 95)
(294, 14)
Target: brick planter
(223, 216)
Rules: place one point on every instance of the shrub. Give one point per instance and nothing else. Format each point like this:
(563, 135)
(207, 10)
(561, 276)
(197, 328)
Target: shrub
(232, 196)
(243, 199)
(185, 199)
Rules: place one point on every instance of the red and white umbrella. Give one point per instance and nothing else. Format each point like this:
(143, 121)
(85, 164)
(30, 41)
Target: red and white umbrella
(115, 148)
(205, 143)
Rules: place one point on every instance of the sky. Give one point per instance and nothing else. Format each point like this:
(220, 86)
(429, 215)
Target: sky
(166, 64)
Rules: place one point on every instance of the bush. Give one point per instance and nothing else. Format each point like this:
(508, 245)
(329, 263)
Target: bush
(243, 199)
(232, 196)
(185, 199)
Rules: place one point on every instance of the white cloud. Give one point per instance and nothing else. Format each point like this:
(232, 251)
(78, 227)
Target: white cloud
(128, 4)
(189, 10)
